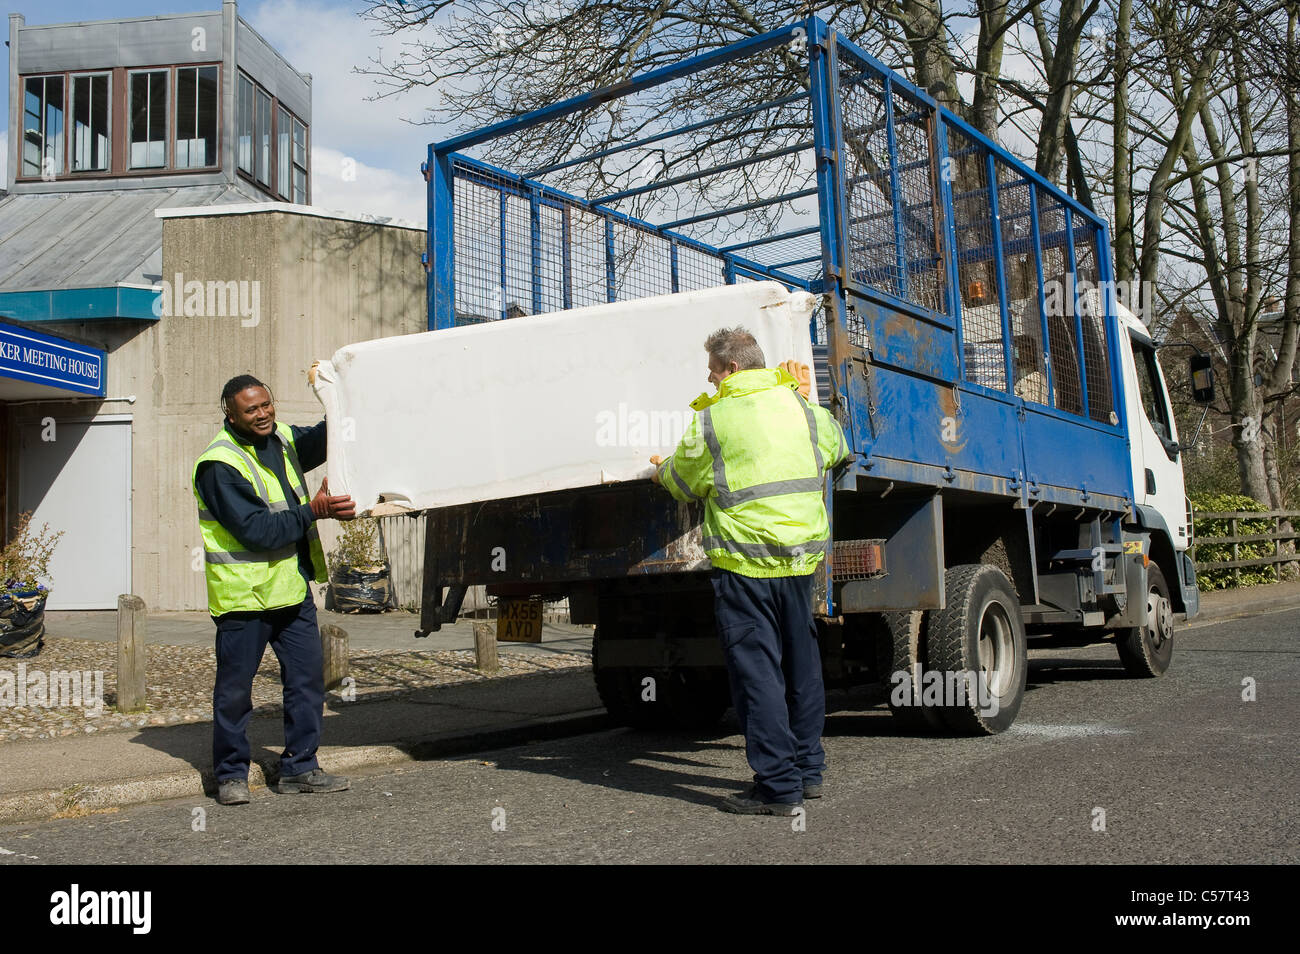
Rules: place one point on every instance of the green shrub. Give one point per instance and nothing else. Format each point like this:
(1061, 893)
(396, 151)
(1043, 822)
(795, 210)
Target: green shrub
(357, 545)
(25, 559)
(1205, 530)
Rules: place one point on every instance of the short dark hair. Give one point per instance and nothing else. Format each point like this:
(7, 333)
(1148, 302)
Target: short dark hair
(735, 344)
(236, 384)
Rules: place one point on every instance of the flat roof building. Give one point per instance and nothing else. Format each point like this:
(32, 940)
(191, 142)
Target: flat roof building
(110, 367)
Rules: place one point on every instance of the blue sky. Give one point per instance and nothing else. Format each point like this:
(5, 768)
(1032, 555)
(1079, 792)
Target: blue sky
(326, 39)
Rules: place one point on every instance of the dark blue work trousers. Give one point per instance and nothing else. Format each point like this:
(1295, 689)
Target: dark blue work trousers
(770, 643)
(241, 640)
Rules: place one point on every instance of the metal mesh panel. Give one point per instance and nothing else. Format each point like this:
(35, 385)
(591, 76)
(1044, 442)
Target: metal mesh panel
(550, 259)
(873, 252)
(697, 269)
(1020, 272)
(504, 267)
(876, 215)
(1096, 353)
(587, 258)
(478, 266)
(984, 349)
(922, 242)
(1060, 310)
(518, 281)
(856, 326)
(642, 263)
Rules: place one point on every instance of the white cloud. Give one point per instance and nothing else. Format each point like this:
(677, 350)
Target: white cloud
(343, 183)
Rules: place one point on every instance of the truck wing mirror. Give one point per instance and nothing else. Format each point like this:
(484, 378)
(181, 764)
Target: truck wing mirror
(1201, 374)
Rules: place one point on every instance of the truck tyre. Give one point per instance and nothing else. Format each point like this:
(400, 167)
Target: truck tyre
(979, 636)
(1146, 650)
(903, 650)
(684, 698)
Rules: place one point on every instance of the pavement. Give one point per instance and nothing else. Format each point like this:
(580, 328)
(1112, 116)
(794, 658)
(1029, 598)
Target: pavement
(77, 775)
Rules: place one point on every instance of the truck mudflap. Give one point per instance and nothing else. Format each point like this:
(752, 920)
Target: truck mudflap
(1187, 584)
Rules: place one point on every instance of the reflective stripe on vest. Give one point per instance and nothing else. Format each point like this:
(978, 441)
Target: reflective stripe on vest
(772, 527)
(241, 580)
(727, 498)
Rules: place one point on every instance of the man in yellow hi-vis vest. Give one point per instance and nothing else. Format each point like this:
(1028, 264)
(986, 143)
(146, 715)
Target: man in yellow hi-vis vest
(756, 453)
(260, 550)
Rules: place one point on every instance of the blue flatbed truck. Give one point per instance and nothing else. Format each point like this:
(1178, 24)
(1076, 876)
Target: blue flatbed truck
(1015, 469)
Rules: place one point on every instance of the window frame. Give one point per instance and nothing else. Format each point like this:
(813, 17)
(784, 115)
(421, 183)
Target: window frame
(73, 76)
(273, 187)
(264, 137)
(169, 120)
(305, 165)
(119, 123)
(284, 153)
(61, 143)
(1144, 350)
(176, 81)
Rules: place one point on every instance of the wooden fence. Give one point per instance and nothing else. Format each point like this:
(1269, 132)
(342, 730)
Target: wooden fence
(1282, 540)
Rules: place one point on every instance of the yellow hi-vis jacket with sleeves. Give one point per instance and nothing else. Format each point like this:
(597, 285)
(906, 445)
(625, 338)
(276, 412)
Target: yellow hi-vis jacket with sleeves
(253, 580)
(756, 453)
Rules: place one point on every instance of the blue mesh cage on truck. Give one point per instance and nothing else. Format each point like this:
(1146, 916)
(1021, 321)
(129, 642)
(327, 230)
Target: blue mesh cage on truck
(935, 249)
(967, 337)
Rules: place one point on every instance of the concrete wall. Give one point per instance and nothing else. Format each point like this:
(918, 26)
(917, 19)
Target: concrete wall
(322, 283)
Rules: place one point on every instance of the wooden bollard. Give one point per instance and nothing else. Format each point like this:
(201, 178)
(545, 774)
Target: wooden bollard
(131, 627)
(334, 647)
(485, 647)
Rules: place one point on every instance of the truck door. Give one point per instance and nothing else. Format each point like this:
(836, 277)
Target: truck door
(1158, 471)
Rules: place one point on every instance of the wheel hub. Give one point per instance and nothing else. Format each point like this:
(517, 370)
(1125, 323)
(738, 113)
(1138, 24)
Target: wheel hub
(996, 648)
(1160, 618)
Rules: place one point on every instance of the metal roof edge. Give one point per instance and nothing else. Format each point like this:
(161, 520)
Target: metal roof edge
(249, 208)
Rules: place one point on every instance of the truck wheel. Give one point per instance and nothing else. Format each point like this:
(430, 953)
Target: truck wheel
(977, 645)
(902, 650)
(1146, 650)
(685, 698)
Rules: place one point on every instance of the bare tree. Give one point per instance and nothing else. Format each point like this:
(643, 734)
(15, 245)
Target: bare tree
(1229, 215)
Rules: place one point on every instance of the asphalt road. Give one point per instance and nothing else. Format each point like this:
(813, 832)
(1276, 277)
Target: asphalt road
(1184, 770)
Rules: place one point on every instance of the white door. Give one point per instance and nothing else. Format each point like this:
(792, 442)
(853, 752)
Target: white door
(76, 476)
(1158, 470)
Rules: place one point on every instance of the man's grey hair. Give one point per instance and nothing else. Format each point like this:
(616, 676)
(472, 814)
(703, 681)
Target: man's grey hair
(734, 344)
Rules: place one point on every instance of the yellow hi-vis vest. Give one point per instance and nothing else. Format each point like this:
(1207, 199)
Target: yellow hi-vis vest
(756, 454)
(254, 580)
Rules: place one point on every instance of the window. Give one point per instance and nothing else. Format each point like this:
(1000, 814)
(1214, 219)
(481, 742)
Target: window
(245, 133)
(42, 126)
(90, 135)
(283, 153)
(299, 163)
(148, 111)
(263, 138)
(272, 143)
(1153, 402)
(196, 117)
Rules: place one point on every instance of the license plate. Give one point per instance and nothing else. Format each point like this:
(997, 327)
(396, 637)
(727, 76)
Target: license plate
(519, 621)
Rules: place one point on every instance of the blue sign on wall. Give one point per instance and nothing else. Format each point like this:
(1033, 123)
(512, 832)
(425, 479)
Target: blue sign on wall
(31, 356)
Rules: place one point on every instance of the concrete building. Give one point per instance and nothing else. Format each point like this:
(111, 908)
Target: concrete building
(155, 240)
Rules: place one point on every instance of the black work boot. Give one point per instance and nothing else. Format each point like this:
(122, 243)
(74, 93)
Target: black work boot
(233, 791)
(314, 781)
(749, 802)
